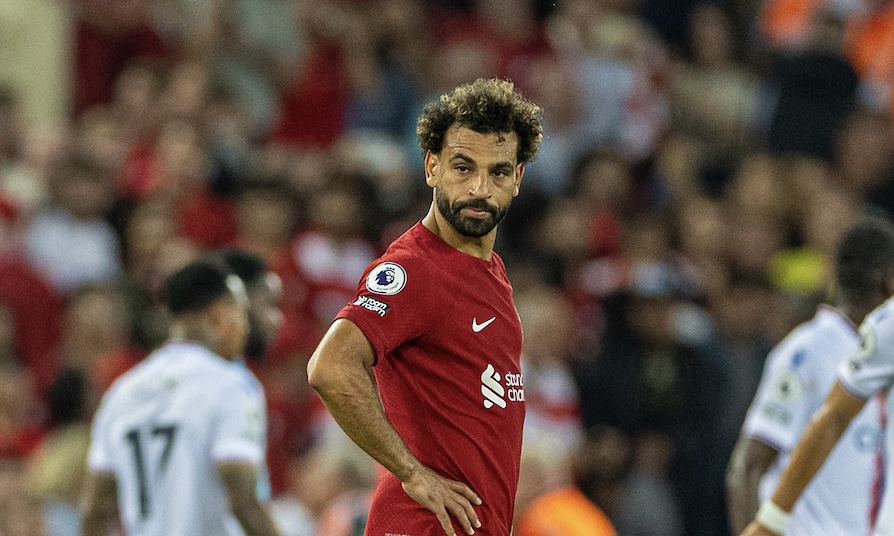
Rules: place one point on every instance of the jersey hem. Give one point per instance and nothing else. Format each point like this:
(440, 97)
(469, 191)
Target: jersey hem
(767, 440)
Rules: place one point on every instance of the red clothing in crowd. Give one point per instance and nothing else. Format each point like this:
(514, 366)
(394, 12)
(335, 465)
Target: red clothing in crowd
(37, 313)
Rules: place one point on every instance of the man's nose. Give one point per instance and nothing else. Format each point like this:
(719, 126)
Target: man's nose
(480, 185)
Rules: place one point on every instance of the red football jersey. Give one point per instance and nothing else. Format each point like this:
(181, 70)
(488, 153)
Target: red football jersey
(448, 342)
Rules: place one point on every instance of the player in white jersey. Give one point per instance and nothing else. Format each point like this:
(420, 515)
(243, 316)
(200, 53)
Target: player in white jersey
(866, 260)
(177, 441)
(798, 375)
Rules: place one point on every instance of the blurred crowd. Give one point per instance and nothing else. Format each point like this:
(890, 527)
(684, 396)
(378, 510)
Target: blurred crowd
(701, 159)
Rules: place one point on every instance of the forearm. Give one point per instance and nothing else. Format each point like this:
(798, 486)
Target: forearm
(341, 372)
(96, 522)
(255, 521)
(100, 504)
(239, 480)
(354, 404)
(750, 461)
(821, 436)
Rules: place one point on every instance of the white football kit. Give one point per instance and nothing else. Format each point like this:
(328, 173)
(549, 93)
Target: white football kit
(870, 370)
(163, 427)
(798, 375)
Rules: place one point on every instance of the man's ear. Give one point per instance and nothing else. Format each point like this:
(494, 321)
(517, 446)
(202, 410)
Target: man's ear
(519, 173)
(432, 167)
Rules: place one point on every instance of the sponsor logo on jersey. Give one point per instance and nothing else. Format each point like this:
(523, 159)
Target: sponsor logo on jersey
(387, 279)
(497, 393)
(374, 305)
(868, 438)
(777, 413)
(476, 327)
(788, 387)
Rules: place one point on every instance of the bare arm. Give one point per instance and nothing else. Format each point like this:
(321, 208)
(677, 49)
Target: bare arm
(240, 482)
(339, 371)
(821, 436)
(749, 463)
(100, 504)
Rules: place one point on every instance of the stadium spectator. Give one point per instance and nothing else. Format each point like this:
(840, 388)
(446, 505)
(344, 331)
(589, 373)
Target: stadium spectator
(712, 97)
(96, 338)
(20, 512)
(35, 309)
(332, 251)
(552, 411)
(57, 467)
(329, 490)
(71, 242)
(574, 489)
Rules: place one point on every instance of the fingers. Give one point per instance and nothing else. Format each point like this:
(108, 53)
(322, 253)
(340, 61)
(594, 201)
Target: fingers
(445, 522)
(465, 491)
(446, 499)
(462, 510)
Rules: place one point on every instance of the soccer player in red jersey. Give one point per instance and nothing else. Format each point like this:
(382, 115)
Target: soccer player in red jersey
(434, 319)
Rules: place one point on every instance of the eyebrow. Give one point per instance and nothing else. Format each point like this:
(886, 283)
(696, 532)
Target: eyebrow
(499, 166)
(461, 156)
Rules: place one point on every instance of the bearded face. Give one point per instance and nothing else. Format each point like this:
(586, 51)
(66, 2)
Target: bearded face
(473, 218)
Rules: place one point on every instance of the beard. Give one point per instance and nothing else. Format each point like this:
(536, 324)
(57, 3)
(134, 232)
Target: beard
(466, 226)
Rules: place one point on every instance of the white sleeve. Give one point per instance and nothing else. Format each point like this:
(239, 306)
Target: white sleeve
(99, 455)
(871, 367)
(240, 424)
(783, 406)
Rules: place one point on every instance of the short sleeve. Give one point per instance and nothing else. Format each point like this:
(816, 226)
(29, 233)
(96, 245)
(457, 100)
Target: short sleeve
(393, 303)
(785, 400)
(870, 368)
(99, 455)
(240, 424)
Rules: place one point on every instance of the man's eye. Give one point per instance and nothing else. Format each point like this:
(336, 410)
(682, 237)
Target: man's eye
(462, 169)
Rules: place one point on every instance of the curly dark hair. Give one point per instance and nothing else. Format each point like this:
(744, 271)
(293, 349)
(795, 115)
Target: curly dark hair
(487, 106)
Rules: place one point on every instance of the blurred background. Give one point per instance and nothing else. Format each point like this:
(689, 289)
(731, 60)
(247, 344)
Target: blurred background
(701, 160)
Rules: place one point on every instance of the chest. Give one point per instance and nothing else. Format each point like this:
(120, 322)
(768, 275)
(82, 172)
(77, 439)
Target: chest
(476, 318)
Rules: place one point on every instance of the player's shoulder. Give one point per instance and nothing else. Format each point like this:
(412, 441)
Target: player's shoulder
(407, 263)
(245, 380)
(412, 247)
(883, 315)
(813, 342)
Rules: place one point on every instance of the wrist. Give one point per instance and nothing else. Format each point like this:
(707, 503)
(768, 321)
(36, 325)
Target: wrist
(773, 517)
(407, 471)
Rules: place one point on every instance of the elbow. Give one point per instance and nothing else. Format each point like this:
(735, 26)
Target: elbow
(319, 376)
(747, 466)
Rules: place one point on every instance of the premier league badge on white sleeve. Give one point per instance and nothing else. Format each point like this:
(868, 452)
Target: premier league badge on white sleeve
(387, 279)
(868, 342)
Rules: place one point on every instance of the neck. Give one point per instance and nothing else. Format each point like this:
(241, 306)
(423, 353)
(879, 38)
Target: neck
(193, 329)
(481, 248)
(855, 312)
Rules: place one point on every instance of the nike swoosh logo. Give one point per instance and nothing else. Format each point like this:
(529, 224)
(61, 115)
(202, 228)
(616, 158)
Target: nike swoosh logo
(476, 327)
